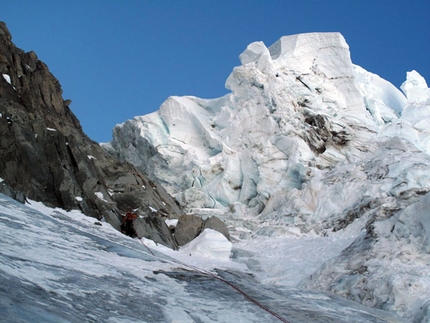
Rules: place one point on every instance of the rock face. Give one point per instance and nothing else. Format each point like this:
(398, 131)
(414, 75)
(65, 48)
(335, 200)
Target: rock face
(154, 228)
(190, 226)
(45, 154)
(8, 191)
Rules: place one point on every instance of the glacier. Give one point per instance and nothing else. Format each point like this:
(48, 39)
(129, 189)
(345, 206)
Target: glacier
(306, 145)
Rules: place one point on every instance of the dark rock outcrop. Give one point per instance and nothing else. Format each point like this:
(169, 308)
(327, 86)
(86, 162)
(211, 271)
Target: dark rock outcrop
(45, 154)
(8, 191)
(216, 224)
(319, 134)
(154, 228)
(190, 226)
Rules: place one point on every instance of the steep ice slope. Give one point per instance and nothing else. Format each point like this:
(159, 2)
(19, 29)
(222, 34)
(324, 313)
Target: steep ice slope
(305, 140)
(57, 266)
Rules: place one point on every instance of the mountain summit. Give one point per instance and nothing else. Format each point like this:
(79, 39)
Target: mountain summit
(305, 143)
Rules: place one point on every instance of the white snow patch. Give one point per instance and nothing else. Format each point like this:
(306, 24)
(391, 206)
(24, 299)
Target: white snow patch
(210, 244)
(154, 210)
(208, 251)
(91, 157)
(100, 196)
(7, 78)
(171, 222)
(78, 198)
(51, 129)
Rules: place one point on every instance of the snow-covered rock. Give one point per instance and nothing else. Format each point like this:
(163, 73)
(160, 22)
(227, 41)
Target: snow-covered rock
(209, 243)
(306, 141)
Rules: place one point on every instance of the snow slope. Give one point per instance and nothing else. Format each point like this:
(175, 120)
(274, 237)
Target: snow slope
(58, 266)
(305, 143)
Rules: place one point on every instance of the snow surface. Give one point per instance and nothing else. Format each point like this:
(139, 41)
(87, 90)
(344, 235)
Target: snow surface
(100, 196)
(209, 243)
(7, 78)
(58, 266)
(171, 222)
(306, 143)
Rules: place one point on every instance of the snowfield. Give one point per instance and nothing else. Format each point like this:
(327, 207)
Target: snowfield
(308, 152)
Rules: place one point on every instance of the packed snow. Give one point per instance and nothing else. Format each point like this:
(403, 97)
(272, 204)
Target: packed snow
(100, 196)
(58, 266)
(311, 146)
(7, 78)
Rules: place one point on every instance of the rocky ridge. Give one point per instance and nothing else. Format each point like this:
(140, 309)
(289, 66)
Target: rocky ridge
(46, 156)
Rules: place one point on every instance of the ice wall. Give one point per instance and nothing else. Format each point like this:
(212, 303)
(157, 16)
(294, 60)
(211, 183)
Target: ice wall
(294, 108)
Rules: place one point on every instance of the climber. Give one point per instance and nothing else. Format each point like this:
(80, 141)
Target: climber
(127, 225)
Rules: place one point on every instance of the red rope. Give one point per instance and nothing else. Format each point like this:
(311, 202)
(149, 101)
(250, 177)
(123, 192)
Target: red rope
(206, 273)
(251, 299)
(147, 247)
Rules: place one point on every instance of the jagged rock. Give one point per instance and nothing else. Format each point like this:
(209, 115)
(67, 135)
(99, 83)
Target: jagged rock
(189, 226)
(154, 228)
(126, 200)
(8, 191)
(216, 224)
(45, 154)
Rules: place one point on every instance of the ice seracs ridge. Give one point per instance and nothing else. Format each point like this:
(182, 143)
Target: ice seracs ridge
(294, 106)
(305, 139)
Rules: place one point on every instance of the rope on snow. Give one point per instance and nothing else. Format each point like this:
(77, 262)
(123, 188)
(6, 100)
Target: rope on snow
(147, 248)
(209, 274)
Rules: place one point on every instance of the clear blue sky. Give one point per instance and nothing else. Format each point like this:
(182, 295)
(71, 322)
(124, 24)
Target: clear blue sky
(116, 59)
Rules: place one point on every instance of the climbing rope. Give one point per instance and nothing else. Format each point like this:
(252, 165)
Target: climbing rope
(147, 248)
(217, 277)
(247, 296)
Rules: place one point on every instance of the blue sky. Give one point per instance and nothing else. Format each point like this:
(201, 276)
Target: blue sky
(117, 59)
